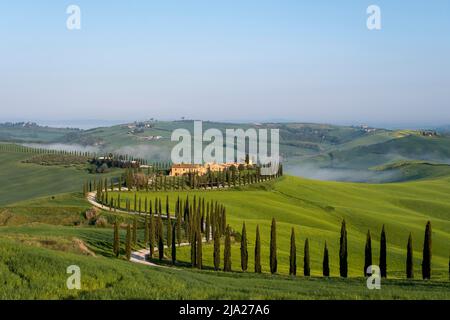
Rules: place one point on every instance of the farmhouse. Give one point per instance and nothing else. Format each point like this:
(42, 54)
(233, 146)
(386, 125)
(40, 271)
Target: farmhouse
(198, 169)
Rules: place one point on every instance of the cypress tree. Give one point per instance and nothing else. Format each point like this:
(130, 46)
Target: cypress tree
(160, 247)
(134, 234)
(199, 249)
(293, 255)
(193, 248)
(179, 228)
(169, 233)
(174, 247)
(128, 243)
(426, 259)
(367, 253)
(146, 238)
(343, 266)
(116, 246)
(257, 251)
(409, 259)
(326, 262)
(273, 247)
(216, 251)
(383, 252)
(306, 266)
(208, 227)
(244, 251)
(151, 235)
(227, 250)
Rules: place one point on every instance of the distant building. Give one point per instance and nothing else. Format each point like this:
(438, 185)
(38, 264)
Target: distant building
(198, 169)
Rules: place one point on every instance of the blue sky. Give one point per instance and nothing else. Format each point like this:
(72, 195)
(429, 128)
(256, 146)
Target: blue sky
(311, 61)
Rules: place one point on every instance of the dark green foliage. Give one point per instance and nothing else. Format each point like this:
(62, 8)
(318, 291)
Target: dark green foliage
(326, 262)
(174, 247)
(208, 227)
(116, 246)
(273, 247)
(293, 255)
(244, 251)
(257, 251)
(409, 259)
(199, 252)
(426, 259)
(306, 265)
(343, 255)
(134, 234)
(227, 250)
(169, 233)
(151, 235)
(160, 247)
(128, 243)
(367, 254)
(146, 237)
(216, 251)
(383, 252)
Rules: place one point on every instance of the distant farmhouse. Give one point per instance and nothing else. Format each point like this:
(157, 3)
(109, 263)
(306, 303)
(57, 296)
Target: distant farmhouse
(198, 169)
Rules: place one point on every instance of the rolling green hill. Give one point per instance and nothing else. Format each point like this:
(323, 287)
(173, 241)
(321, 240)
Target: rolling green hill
(315, 209)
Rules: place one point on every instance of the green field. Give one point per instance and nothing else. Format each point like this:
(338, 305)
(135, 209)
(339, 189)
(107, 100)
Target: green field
(315, 209)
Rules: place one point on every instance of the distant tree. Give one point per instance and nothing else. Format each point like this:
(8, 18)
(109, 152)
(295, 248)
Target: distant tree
(306, 265)
(367, 254)
(343, 266)
(326, 262)
(116, 247)
(409, 259)
(216, 250)
(244, 251)
(227, 250)
(257, 251)
(426, 259)
(383, 251)
(293, 255)
(128, 243)
(273, 247)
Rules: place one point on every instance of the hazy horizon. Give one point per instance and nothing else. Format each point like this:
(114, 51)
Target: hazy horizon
(246, 61)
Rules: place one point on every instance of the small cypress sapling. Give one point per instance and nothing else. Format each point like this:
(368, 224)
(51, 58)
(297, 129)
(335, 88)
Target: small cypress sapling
(426, 258)
(409, 259)
(257, 251)
(367, 254)
(227, 250)
(293, 255)
(244, 251)
(306, 266)
(326, 262)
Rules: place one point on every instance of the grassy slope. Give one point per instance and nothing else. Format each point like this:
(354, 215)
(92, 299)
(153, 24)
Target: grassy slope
(29, 273)
(315, 209)
(26, 180)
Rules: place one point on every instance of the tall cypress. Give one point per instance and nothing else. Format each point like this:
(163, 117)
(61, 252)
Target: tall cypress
(193, 248)
(174, 247)
(208, 227)
(273, 247)
(426, 259)
(306, 265)
(146, 237)
(343, 266)
(244, 251)
(128, 243)
(367, 253)
(199, 250)
(326, 262)
(227, 250)
(169, 232)
(293, 255)
(160, 247)
(409, 259)
(134, 233)
(257, 251)
(179, 228)
(216, 251)
(383, 252)
(116, 246)
(151, 235)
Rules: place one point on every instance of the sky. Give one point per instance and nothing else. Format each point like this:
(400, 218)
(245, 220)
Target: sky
(234, 60)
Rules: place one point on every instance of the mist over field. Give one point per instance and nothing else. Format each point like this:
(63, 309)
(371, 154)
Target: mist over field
(63, 146)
